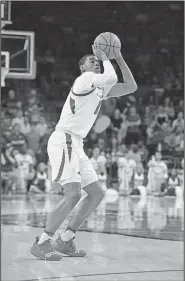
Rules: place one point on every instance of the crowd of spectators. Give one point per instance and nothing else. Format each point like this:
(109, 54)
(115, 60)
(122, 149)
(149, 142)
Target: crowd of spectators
(24, 140)
(151, 33)
(123, 155)
(150, 120)
(137, 132)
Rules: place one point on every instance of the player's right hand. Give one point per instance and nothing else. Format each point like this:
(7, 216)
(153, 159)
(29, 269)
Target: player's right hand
(99, 53)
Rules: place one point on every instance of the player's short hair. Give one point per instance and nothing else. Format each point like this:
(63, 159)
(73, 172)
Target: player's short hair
(83, 60)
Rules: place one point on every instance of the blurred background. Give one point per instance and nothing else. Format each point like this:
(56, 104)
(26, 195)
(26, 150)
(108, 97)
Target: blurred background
(150, 120)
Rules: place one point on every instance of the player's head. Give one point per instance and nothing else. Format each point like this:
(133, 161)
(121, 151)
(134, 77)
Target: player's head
(89, 63)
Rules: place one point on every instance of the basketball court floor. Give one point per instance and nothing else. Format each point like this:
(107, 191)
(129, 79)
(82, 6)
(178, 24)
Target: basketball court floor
(130, 239)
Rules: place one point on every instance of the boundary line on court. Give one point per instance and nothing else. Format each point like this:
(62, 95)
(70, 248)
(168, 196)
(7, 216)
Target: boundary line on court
(104, 274)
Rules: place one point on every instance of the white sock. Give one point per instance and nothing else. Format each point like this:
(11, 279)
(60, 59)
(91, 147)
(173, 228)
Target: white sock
(44, 237)
(67, 235)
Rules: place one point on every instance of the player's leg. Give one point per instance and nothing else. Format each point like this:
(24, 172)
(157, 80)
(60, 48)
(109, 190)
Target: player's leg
(85, 207)
(72, 195)
(65, 167)
(92, 187)
(95, 194)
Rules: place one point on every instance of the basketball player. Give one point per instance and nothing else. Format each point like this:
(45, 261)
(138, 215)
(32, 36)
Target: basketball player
(71, 168)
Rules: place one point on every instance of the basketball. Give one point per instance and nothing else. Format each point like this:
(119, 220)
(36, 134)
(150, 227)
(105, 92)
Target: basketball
(109, 43)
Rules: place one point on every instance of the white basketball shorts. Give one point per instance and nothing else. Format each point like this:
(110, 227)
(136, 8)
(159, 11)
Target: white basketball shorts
(68, 160)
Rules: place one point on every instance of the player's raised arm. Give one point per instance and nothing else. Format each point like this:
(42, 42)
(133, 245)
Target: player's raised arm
(109, 75)
(129, 86)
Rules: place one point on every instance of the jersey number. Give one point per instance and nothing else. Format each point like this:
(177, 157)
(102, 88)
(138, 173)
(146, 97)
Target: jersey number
(72, 105)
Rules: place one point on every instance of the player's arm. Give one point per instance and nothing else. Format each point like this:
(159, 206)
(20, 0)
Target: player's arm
(129, 86)
(109, 76)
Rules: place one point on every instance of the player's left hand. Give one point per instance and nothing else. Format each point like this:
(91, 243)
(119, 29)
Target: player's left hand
(117, 52)
(99, 53)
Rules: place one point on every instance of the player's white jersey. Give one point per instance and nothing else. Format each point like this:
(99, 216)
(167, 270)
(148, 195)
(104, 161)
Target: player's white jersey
(84, 101)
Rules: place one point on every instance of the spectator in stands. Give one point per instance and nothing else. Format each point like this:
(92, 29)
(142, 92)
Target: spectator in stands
(25, 169)
(162, 135)
(151, 141)
(19, 105)
(172, 184)
(157, 174)
(109, 167)
(126, 168)
(97, 159)
(169, 108)
(134, 153)
(139, 181)
(93, 159)
(123, 179)
(181, 175)
(102, 176)
(151, 104)
(114, 144)
(2, 114)
(179, 139)
(9, 154)
(116, 121)
(133, 122)
(33, 140)
(179, 122)
(26, 127)
(32, 154)
(102, 161)
(170, 141)
(8, 179)
(17, 138)
(148, 119)
(122, 150)
(101, 144)
(42, 126)
(140, 107)
(40, 183)
(7, 128)
(178, 84)
(161, 117)
(11, 103)
(180, 106)
(122, 133)
(33, 93)
(102, 173)
(143, 151)
(19, 119)
(33, 106)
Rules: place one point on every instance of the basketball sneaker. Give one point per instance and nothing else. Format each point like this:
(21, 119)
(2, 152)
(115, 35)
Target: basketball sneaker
(45, 251)
(68, 248)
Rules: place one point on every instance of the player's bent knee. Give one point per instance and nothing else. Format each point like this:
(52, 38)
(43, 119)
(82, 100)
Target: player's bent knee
(94, 190)
(73, 191)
